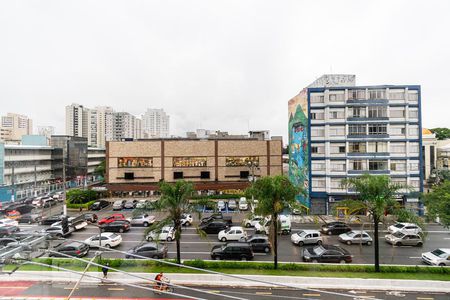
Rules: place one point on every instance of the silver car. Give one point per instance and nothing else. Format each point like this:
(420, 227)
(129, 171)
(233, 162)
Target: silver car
(118, 205)
(356, 237)
(143, 220)
(404, 239)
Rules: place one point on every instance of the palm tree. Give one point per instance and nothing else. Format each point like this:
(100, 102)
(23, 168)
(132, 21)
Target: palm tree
(274, 193)
(375, 195)
(175, 202)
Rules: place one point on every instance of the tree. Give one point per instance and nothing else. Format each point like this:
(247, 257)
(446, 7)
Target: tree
(442, 133)
(175, 201)
(274, 193)
(376, 195)
(76, 196)
(438, 203)
(100, 169)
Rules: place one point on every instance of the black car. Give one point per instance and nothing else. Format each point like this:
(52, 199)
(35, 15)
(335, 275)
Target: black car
(8, 230)
(151, 249)
(214, 226)
(23, 208)
(335, 228)
(29, 218)
(76, 249)
(259, 243)
(99, 205)
(5, 241)
(239, 250)
(50, 202)
(327, 254)
(51, 219)
(91, 217)
(217, 216)
(116, 226)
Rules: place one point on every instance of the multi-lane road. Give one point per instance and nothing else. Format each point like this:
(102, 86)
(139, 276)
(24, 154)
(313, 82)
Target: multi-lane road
(193, 246)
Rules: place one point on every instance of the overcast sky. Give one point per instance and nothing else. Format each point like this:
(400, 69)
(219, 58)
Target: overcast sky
(228, 65)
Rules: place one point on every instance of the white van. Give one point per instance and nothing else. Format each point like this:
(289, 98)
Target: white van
(284, 228)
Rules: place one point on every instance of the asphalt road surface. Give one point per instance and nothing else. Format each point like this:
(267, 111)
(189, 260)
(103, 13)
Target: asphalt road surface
(53, 290)
(192, 246)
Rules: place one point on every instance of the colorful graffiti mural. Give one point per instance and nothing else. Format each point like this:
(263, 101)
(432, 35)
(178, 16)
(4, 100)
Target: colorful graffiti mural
(298, 145)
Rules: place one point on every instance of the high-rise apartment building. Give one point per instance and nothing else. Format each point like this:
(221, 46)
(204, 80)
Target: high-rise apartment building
(77, 120)
(102, 126)
(338, 130)
(14, 126)
(155, 124)
(124, 126)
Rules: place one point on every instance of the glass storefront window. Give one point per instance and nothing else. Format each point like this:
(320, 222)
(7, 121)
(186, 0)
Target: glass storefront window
(135, 162)
(241, 161)
(182, 162)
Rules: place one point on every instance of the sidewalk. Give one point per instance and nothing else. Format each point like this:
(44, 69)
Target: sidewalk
(219, 280)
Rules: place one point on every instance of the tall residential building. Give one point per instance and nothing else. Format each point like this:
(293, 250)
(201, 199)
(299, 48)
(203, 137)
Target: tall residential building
(102, 126)
(338, 130)
(14, 126)
(155, 124)
(77, 120)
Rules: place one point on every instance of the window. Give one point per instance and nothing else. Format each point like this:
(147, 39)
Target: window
(377, 94)
(397, 130)
(357, 112)
(338, 166)
(413, 131)
(317, 115)
(357, 129)
(177, 175)
(334, 97)
(414, 183)
(413, 113)
(244, 174)
(318, 182)
(399, 181)
(413, 148)
(398, 147)
(186, 162)
(397, 95)
(318, 166)
(205, 175)
(356, 94)
(377, 111)
(375, 147)
(398, 165)
(397, 113)
(357, 165)
(317, 132)
(357, 147)
(129, 175)
(337, 149)
(336, 183)
(337, 131)
(377, 165)
(340, 114)
(413, 96)
(414, 166)
(375, 129)
(134, 162)
(317, 98)
(318, 149)
(241, 161)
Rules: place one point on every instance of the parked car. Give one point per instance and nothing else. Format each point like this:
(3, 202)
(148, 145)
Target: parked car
(356, 237)
(51, 219)
(243, 204)
(142, 204)
(438, 257)
(186, 219)
(217, 216)
(91, 217)
(404, 239)
(151, 250)
(76, 249)
(335, 228)
(164, 234)
(234, 233)
(116, 226)
(108, 240)
(232, 204)
(253, 221)
(237, 250)
(214, 226)
(13, 214)
(220, 205)
(8, 222)
(6, 240)
(98, 205)
(112, 218)
(118, 205)
(23, 208)
(77, 223)
(8, 230)
(405, 228)
(130, 204)
(143, 220)
(57, 231)
(305, 237)
(326, 254)
(30, 218)
(259, 243)
(50, 203)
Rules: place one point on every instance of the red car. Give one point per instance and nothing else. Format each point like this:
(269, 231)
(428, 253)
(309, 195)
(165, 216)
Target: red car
(112, 218)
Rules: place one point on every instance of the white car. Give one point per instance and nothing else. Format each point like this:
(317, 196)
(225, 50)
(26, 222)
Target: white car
(405, 228)
(234, 233)
(118, 205)
(306, 237)
(253, 221)
(8, 222)
(221, 205)
(186, 219)
(439, 257)
(108, 240)
(165, 234)
(243, 205)
(143, 220)
(141, 204)
(356, 237)
(80, 224)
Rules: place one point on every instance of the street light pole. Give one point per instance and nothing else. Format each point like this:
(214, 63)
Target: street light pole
(64, 183)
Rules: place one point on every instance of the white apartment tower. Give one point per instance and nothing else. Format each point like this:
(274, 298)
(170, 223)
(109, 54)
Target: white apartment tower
(77, 120)
(155, 124)
(14, 126)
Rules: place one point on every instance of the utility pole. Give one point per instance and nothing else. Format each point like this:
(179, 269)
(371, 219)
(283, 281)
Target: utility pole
(13, 184)
(35, 180)
(64, 182)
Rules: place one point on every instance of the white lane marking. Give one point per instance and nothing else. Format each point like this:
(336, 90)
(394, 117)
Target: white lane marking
(415, 257)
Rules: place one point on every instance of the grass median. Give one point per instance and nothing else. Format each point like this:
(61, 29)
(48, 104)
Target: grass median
(251, 268)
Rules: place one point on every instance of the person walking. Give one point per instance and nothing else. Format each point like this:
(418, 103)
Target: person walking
(105, 270)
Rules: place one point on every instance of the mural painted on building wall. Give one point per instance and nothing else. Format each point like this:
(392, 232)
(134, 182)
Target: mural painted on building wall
(298, 144)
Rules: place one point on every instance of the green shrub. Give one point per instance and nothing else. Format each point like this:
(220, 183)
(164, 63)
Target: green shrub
(77, 206)
(77, 196)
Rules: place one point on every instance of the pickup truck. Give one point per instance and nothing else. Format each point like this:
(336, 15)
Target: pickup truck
(217, 216)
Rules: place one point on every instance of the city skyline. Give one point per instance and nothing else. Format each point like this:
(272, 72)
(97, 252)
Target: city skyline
(219, 66)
